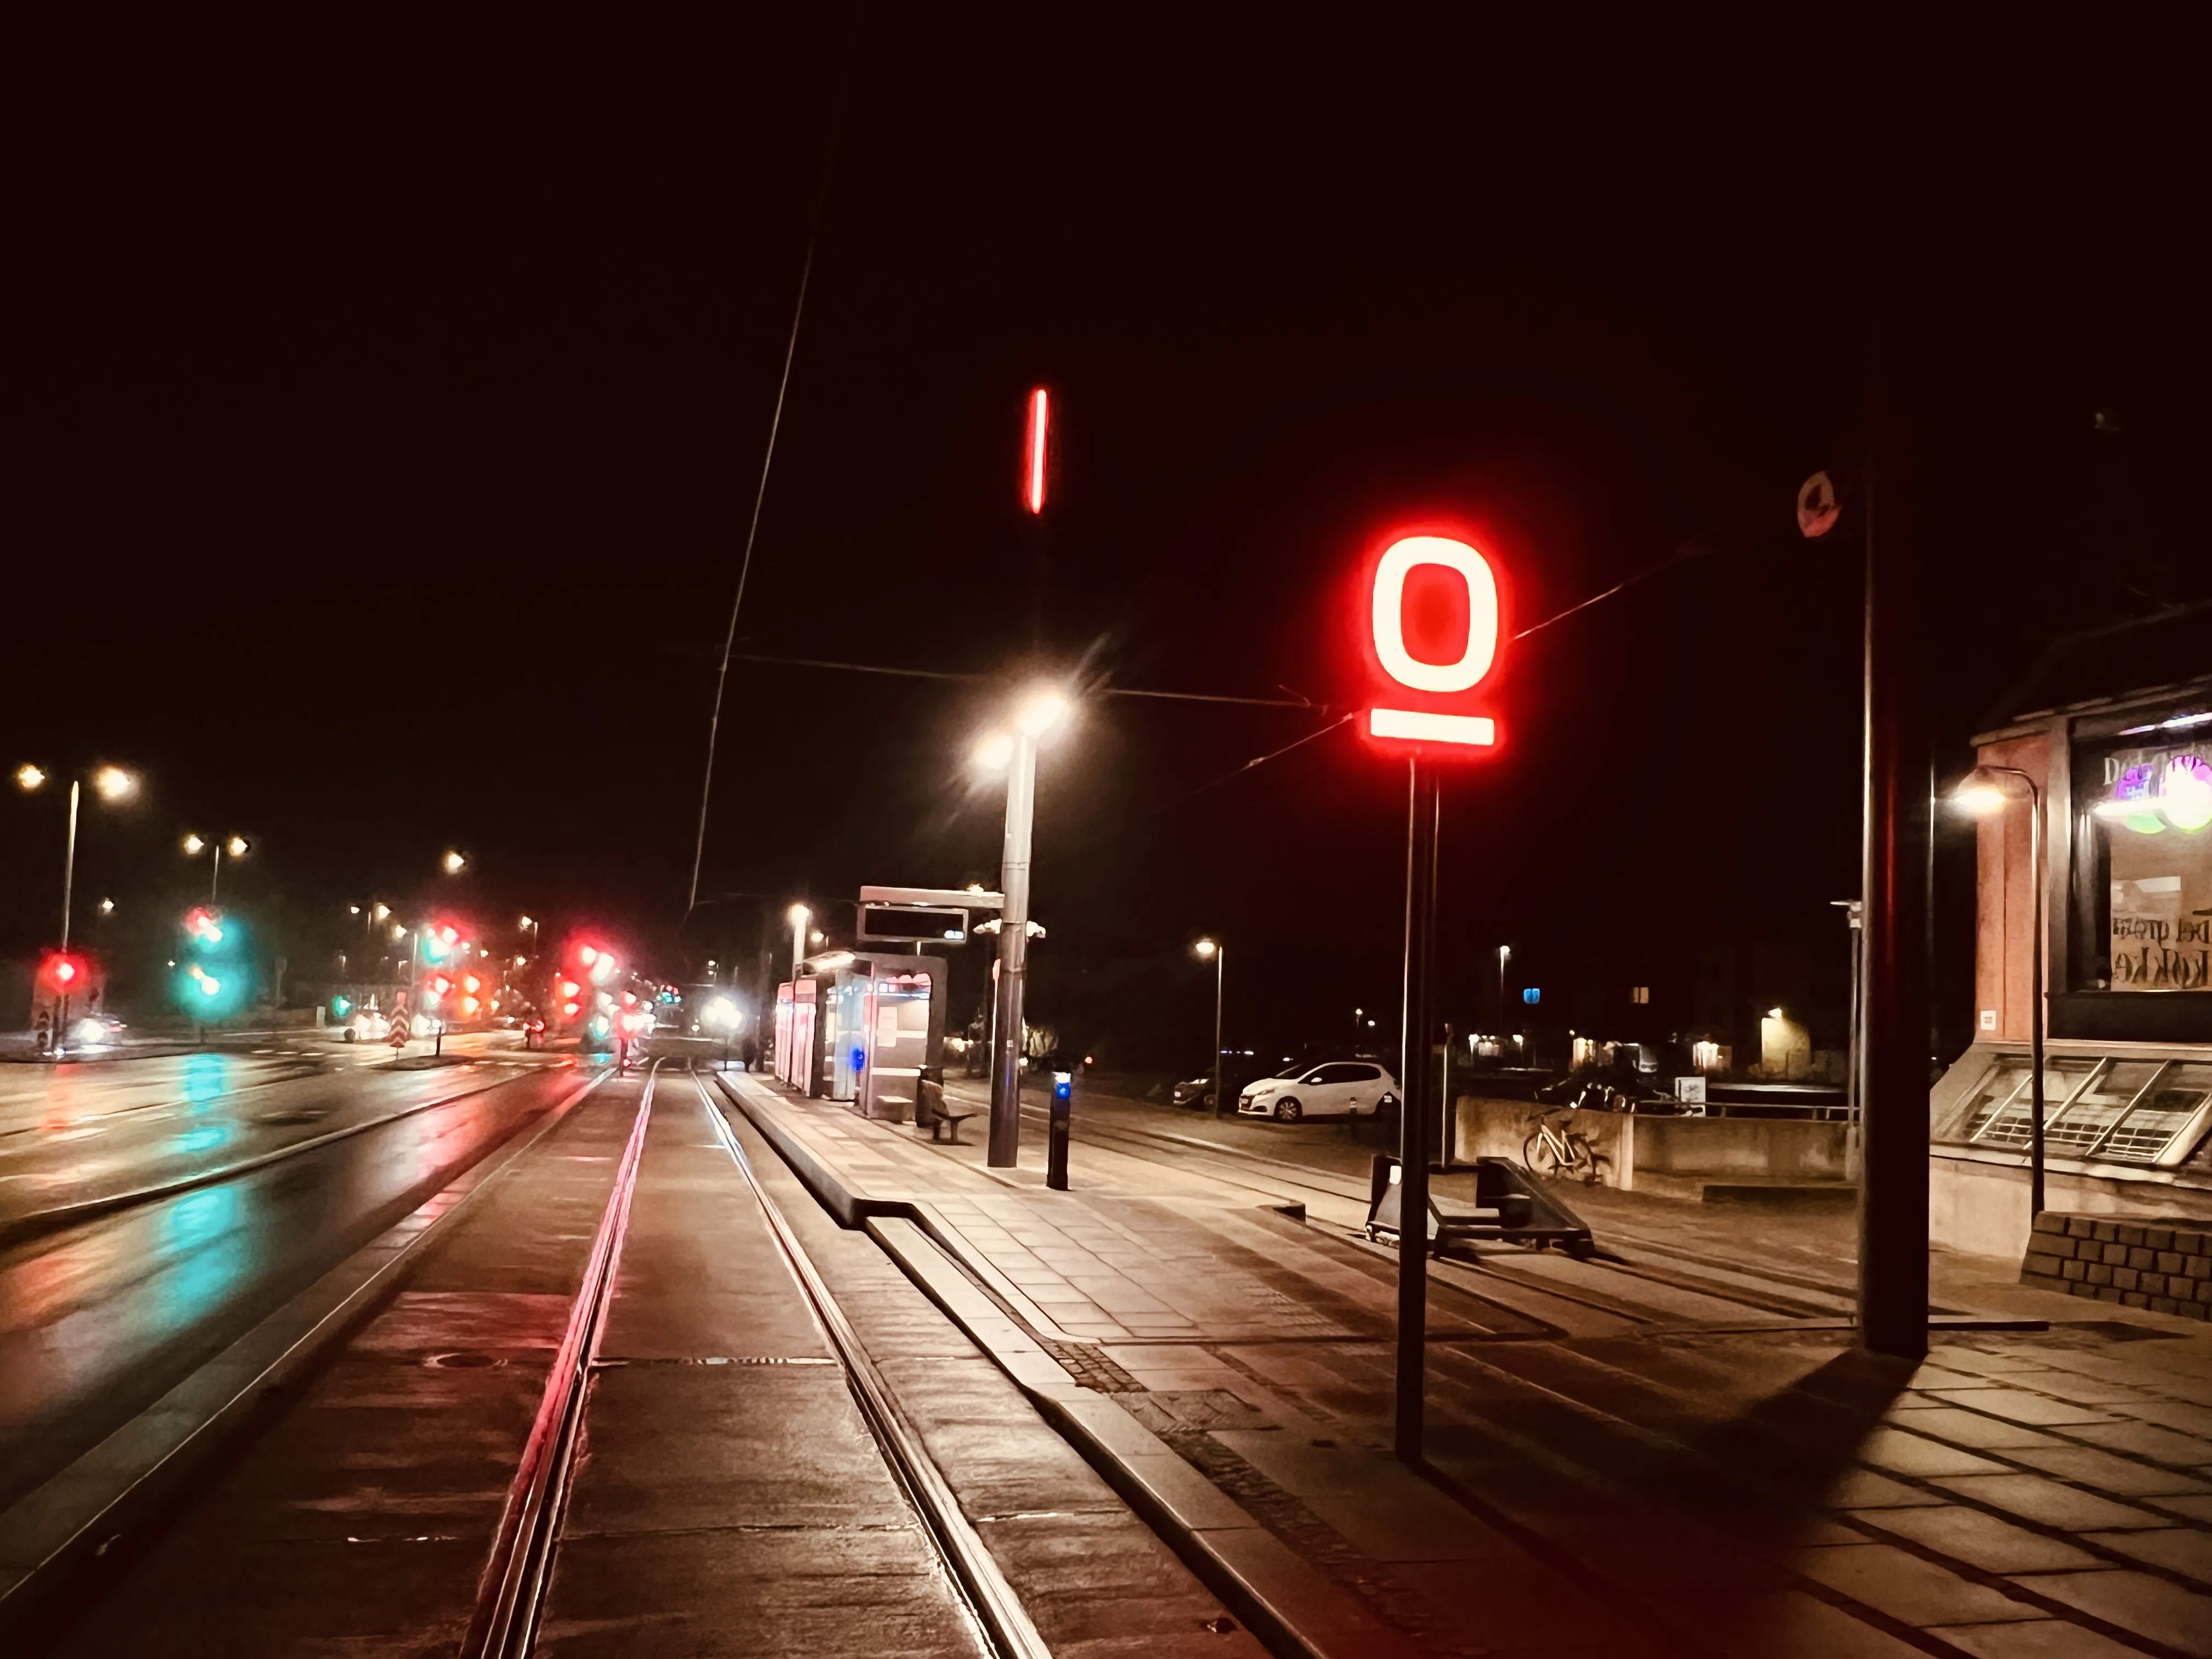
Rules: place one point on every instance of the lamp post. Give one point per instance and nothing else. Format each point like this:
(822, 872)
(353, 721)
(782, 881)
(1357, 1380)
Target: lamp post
(799, 916)
(236, 846)
(1214, 951)
(110, 783)
(1981, 793)
(1505, 955)
(1042, 711)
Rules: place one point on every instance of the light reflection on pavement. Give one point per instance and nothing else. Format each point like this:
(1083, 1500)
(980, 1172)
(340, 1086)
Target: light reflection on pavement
(76, 1133)
(99, 1319)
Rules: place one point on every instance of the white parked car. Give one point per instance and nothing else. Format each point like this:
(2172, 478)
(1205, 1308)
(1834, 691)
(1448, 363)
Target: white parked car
(1335, 1087)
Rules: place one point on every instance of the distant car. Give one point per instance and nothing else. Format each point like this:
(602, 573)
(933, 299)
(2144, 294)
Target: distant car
(94, 1032)
(1198, 1091)
(1334, 1088)
(368, 1026)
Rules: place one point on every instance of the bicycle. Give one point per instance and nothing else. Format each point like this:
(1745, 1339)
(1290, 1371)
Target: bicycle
(1552, 1149)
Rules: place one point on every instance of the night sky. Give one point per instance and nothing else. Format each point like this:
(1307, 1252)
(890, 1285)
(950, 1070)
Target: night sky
(383, 421)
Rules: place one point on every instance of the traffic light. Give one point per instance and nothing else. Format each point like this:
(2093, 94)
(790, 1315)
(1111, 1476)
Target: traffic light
(63, 974)
(214, 974)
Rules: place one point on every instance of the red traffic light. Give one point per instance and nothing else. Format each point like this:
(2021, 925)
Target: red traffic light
(62, 972)
(204, 925)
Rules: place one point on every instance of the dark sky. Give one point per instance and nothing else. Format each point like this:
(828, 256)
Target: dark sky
(383, 419)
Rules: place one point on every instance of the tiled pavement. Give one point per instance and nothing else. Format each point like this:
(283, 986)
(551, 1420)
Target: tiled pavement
(1622, 1460)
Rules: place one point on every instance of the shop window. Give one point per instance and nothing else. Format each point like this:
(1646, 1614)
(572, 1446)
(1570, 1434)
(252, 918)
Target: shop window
(2144, 829)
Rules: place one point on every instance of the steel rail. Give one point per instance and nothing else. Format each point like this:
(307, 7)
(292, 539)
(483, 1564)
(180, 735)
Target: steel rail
(511, 1593)
(991, 1601)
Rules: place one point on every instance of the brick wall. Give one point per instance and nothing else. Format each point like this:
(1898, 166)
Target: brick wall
(2167, 1270)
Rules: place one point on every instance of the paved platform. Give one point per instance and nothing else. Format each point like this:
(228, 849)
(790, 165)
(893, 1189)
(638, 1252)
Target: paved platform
(1679, 1453)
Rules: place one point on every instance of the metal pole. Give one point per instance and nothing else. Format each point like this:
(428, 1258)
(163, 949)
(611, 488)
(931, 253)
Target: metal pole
(2035, 1029)
(1005, 1139)
(1220, 967)
(69, 862)
(1893, 1090)
(1854, 1043)
(215, 879)
(1421, 816)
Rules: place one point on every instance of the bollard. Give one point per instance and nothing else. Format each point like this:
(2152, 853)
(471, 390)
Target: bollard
(1056, 1155)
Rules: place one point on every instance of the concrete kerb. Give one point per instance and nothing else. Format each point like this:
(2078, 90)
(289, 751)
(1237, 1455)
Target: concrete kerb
(1293, 1609)
(52, 1537)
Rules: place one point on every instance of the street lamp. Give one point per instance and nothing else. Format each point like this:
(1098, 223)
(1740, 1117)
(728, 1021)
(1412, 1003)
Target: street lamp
(1982, 792)
(1042, 710)
(798, 916)
(1505, 955)
(236, 847)
(110, 783)
(453, 863)
(1209, 950)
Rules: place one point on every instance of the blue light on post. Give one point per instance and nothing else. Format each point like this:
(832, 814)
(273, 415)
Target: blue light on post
(1532, 996)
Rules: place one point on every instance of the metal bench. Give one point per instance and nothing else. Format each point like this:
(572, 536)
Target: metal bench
(1509, 1207)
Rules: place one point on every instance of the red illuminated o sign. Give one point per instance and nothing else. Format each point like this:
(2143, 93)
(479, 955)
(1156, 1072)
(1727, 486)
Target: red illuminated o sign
(1441, 717)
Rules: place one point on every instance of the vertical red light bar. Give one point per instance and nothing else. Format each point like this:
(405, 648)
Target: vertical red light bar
(1033, 450)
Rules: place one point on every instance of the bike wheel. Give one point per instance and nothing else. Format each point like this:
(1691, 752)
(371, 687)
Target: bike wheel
(1587, 1160)
(1538, 1157)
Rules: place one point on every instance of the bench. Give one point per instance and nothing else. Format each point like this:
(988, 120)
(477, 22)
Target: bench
(930, 1113)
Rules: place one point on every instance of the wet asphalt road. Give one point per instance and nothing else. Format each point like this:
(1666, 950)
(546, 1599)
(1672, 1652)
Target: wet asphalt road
(99, 1317)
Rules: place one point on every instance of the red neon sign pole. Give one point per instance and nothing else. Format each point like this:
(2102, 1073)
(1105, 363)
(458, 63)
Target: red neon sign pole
(1033, 450)
(1420, 708)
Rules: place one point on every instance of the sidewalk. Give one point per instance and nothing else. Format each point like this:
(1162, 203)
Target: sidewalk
(1629, 1460)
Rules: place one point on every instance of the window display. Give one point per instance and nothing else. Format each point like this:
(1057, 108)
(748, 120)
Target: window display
(2145, 818)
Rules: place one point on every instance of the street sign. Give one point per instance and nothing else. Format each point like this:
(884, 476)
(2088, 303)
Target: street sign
(912, 924)
(959, 898)
(1817, 508)
(1433, 624)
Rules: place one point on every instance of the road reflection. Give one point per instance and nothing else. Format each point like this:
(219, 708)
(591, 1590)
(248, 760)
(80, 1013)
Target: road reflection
(99, 1321)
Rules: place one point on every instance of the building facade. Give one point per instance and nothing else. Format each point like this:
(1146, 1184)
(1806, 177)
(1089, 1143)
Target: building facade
(2125, 783)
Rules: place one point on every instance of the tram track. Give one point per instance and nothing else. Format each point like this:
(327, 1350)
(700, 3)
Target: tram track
(1220, 1162)
(518, 1574)
(1000, 1617)
(511, 1594)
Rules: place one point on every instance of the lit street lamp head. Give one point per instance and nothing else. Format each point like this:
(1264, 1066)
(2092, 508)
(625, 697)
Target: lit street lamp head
(453, 863)
(995, 752)
(113, 783)
(193, 846)
(1204, 950)
(1981, 792)
(28, 778)
(236, 847)
(798, 916)
(1043, 711)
